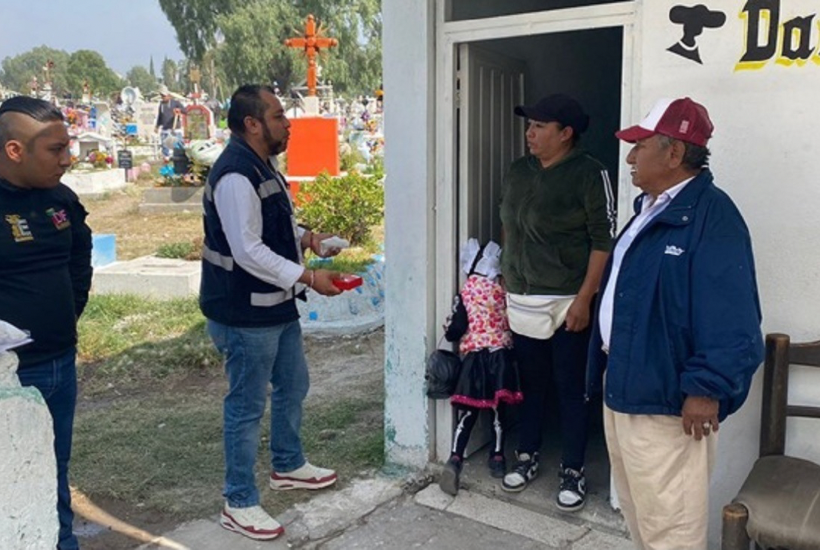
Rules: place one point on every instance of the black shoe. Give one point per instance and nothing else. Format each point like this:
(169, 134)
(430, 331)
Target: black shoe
(497, 465)
(450, 475)
(524, 471)
(572, 491)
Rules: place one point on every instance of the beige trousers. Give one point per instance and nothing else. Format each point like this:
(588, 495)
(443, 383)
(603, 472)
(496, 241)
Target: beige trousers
(662, 479)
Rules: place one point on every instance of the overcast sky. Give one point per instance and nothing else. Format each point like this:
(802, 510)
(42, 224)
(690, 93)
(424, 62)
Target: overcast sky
(125, 32)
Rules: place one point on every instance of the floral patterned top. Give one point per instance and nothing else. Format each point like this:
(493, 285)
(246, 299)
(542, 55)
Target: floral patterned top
(486, 305)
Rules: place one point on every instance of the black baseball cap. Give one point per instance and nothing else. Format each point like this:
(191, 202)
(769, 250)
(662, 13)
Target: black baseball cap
(557, 108)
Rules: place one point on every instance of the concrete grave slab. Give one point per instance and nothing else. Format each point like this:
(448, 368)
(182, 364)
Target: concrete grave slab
(149, 276)
(172, 199)
(95, 184)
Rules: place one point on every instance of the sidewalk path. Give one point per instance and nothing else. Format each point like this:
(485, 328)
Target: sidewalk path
(376, 513)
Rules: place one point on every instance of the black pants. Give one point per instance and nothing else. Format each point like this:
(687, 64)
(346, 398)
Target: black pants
(561, 361)
(466, 418)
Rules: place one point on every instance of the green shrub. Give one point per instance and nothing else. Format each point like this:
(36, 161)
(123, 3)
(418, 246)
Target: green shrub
(347, 206)
(375, 167)
(349, 158)
(178, 250)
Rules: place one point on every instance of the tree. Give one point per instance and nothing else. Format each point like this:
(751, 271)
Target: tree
(19, 70)
(151, 68)
(141, 78)
(248, 38)
(195, 23)
(169, 73)
(88, 65)
(252, 49)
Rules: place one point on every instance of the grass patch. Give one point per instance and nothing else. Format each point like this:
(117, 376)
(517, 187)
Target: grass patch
(345, 264)
(148, 430)
(165, 453)
(127, 339)
(350, 260)
(184, 250)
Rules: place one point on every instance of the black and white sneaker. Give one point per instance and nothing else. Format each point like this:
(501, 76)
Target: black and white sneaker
(572, 492)
(524, 471)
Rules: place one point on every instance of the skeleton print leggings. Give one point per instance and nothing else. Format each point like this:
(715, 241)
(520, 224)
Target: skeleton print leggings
(467, 417)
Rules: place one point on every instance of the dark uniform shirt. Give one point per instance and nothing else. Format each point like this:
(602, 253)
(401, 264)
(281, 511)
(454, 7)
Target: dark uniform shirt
(45, 267)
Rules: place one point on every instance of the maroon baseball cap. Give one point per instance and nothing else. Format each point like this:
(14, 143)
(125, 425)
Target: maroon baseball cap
(681, 119)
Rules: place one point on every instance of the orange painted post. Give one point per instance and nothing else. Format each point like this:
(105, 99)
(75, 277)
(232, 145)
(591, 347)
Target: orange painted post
(313, 146)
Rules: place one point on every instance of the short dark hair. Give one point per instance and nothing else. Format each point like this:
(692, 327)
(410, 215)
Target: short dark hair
(695, 157)
(247, 101)
(39, 110)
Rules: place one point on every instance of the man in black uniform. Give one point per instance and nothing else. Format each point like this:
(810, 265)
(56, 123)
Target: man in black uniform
(45, 267)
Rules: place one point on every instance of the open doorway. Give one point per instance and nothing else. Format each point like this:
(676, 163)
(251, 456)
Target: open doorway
(492, 77)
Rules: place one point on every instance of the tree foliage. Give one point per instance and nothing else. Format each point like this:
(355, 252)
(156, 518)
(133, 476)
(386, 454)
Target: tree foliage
(19, 70)
(195, 22)
(88, 65)
(140, 77)
(170, 71)
(253, 49)
(248, 39)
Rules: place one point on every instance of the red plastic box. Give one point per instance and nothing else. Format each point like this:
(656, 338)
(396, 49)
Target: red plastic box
(347, 282)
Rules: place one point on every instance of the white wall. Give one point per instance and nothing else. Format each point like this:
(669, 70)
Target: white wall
(409, 110)
(764, 156)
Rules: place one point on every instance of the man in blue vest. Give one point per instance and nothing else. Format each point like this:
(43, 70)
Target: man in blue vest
(678, 329)
(252, 274)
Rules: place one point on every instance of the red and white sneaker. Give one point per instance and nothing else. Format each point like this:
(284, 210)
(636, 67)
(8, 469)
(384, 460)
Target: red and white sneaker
(253, 522)
(306, 477)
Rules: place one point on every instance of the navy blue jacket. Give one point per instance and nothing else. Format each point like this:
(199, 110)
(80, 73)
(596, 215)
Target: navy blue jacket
(686, 317)
(229, 294)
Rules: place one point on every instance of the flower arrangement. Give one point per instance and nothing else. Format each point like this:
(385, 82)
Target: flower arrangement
(99, 159)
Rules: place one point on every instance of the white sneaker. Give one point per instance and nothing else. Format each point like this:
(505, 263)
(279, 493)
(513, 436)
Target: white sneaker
(253, 522)
(306, 477)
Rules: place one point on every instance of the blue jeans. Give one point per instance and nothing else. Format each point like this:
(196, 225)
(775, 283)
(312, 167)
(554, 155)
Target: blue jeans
(57, 381)
(163, 135)
(254, 358)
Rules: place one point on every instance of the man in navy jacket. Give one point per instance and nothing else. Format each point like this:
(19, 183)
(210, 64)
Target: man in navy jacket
(677, 337)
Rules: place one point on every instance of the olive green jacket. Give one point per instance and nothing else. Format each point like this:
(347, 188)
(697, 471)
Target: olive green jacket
(553, 218)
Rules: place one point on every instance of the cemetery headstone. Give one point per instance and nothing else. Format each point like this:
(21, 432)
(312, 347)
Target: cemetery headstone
(197, 122)
(103, 124)
(28, 468)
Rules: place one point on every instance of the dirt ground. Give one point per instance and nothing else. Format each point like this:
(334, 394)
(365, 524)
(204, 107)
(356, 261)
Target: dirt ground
(347, 366)
(340, 368)
(139, 234)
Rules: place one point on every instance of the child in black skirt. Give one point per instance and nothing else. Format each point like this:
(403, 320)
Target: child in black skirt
(488, 377)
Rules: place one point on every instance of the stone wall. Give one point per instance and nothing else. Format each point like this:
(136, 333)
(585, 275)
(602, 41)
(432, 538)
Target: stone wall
(28, 469)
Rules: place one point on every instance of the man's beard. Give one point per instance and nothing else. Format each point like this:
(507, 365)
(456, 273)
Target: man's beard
(274, 147)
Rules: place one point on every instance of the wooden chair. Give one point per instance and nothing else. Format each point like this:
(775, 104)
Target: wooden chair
(779, 503)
